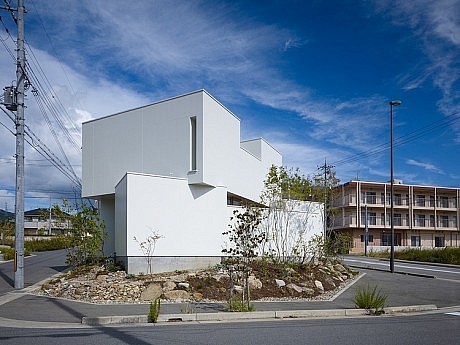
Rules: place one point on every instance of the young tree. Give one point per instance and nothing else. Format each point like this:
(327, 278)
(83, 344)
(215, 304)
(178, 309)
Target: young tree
(244, 234)
(288, 215)
(148, 247)
(86, 233)
(245, 238)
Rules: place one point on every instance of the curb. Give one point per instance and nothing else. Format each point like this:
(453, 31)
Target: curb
(256, 315)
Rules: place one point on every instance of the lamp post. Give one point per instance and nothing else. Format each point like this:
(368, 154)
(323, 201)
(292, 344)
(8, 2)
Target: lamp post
(394, 103)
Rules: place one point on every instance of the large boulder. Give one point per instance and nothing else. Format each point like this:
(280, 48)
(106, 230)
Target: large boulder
(177, 295)
(152, 292)
(169, 285)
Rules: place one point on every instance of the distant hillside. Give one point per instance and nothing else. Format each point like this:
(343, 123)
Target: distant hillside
(6, 215)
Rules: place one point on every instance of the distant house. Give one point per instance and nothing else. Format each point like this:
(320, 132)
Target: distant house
(40, 221)
(176, 166)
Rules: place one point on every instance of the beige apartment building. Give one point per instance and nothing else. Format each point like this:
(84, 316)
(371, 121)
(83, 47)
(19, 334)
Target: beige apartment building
(424, 216)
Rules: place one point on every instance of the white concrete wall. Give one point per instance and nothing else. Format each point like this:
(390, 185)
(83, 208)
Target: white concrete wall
(156, 140)
(153, 139)
(191, 218)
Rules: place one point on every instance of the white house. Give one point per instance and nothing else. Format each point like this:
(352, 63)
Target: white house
(176, 166)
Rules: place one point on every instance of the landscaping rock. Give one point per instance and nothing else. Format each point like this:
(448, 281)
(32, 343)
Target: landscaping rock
(177, 295)
(280, 282)
(254, 283)
(319, 285)
(340, 268)
(197, 296)
(183, 285)
(168, 286)
(101, 277)
(294, 287)
(152, 292)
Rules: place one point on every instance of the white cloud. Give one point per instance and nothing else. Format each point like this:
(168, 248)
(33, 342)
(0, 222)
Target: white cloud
(426, 166)
(437, 25)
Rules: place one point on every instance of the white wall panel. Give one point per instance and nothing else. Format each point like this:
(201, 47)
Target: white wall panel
(191, 218)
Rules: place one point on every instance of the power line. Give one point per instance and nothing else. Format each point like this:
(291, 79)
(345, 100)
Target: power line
(402, 140)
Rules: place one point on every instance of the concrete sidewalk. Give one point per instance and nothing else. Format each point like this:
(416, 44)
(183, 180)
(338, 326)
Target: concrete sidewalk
(405, 293)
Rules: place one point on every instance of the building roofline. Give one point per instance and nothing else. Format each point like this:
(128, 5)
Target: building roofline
(265, 141)
(401, 184)
(163, 101)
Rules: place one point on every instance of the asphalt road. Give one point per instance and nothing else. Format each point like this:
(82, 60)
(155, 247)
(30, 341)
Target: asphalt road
(37, 267)
(431, 329)
(439, 272)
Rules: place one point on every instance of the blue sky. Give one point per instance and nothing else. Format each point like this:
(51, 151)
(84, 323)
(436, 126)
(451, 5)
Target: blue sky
(314, 78)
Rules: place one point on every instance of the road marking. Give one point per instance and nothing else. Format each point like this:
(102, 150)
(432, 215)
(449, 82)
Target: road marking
(403, 266)
(456, 313)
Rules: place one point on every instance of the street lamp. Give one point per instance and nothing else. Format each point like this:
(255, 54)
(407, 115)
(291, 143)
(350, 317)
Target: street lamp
(394, 103)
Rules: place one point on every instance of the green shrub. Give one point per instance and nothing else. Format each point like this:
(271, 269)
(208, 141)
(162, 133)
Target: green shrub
(446, 255)
(237, 304)
(370, 299)
(51, 243)
(154, 311)
(8, 253)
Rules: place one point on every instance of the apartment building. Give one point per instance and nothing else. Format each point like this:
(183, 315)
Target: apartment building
(424, 216)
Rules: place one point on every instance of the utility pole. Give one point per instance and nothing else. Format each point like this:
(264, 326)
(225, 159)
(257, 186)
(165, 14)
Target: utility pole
(14, 101)
(326, 168)
(20, 79)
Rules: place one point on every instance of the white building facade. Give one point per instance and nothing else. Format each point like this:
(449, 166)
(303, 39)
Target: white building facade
(176, 166)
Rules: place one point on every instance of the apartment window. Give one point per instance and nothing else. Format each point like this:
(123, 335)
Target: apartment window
(432, 201)
(420, 220)
(443, 201)
(397, 219)
(454, 221)
(439, 241)
(382, 219)
(371, 197)
(444, 221)
(398, 199)
(386, 239)
(371, 218)
(432, 221)
(193, 143)
(370, 238)
(420, 200)
(415, 241)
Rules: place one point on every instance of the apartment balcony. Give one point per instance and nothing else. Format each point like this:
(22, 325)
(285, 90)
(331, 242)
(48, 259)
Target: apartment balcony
(399, 223)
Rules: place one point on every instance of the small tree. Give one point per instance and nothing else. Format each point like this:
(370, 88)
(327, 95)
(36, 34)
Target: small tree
(86, 232)
(148, 247)
(244, 234)
(245, 238)
(289, 213)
